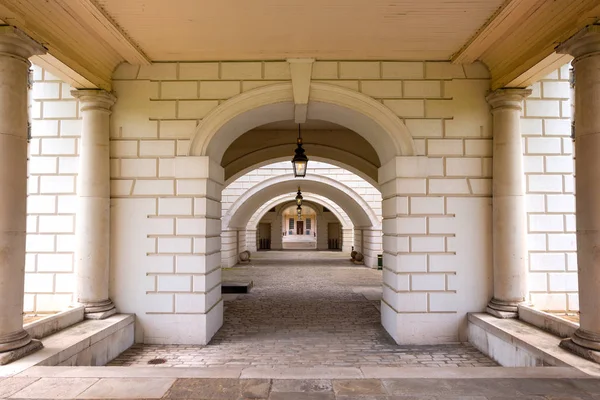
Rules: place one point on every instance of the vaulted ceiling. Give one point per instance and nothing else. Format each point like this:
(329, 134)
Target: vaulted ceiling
(87, 39)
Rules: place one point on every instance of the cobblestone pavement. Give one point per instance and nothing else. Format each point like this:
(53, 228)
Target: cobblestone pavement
(304, 312)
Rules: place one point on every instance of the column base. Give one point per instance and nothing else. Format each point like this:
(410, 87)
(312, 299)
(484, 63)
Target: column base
(588, 354)
(502, 309)
(99, 310)
(13, 355)
(14, 341)
(501, 314)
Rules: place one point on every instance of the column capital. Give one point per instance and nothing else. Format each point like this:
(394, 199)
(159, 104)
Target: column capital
(14, 42)
(507, 98)
(583, 44)
(94, 99)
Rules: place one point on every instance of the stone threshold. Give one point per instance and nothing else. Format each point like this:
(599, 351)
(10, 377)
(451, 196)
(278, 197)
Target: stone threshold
(548, 322)
(306, 373)
(514, 343)
(90, 342)
(54, 323)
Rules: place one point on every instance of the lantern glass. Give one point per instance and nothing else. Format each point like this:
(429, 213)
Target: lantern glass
(300, 168)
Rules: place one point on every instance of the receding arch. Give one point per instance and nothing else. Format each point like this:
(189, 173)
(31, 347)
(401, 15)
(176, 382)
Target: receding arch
(372, 181)
(353, 110)
(351, 202)
(284, 200)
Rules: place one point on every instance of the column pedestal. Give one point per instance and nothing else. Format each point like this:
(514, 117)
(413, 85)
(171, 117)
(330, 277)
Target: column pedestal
(15, 49)
(92, 252)
(509, 212)
(585, 47)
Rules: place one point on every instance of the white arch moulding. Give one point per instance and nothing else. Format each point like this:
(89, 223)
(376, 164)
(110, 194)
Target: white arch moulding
(309, 197)
(352, 203)
(313, 157)
(351, 109)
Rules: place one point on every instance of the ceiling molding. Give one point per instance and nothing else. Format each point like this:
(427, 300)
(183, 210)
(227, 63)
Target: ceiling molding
(59, 69)
(518, 43)
(541, 69)
(98, 20)
(511, 13)
(84, 45)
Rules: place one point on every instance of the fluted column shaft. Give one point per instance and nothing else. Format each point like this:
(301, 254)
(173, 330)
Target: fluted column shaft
(15, 49)
(92, 230)
(509, 214)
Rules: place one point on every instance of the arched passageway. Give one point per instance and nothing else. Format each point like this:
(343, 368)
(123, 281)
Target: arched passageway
(431, 244)
(327, 212)
(374, 142)
(360, 219)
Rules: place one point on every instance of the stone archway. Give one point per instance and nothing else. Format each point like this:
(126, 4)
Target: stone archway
(279, 203)
(357, 208)
(353, 110)
(378, 128)
(336, 210)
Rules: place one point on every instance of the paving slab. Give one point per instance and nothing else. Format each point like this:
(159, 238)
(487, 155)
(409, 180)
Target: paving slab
(55, 388)
(132, 372)
(475, 372)
(132, 388)
(255, 388)
(302, 385)
(219, 389)
(301, 396)
(9, 386)
(551, 387)
(214, 389)
(302, 373)
(359, 387)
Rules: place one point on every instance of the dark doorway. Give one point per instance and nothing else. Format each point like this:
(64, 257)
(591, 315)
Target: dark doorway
(299, 227)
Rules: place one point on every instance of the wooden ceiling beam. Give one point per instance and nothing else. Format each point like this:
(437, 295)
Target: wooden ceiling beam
(107, 29)
(511, 13)
(84, 44)
(66, 73)
(517, 44)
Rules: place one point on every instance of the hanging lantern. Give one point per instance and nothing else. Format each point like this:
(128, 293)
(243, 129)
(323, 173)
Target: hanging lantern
(299, 198)
(300, 161)
(299, 212)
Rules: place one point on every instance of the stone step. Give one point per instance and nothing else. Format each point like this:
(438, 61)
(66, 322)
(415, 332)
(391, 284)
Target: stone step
(514, 343)
(87, 343)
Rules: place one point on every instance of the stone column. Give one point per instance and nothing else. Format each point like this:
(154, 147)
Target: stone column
(15, 49)
(92, 228)
(585, 47)
(509, 213)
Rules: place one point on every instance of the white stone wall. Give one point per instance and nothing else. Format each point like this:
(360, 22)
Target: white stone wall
(51, 203)
(439, 256)
(437, 211)
(546, 129)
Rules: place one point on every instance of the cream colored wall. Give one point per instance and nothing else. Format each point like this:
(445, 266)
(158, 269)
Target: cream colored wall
(51, 205)
(156, 231)
(548, 159)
